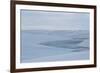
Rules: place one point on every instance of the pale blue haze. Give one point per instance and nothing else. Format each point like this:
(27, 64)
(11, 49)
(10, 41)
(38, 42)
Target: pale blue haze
(36, 20)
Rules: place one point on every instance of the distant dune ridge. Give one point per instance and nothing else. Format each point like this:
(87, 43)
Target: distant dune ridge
(72, 44)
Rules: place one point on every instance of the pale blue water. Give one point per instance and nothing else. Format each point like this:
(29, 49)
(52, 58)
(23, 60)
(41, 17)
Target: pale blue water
(42, 45)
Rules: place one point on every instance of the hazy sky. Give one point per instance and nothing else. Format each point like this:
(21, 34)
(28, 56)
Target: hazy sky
(49, 20)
